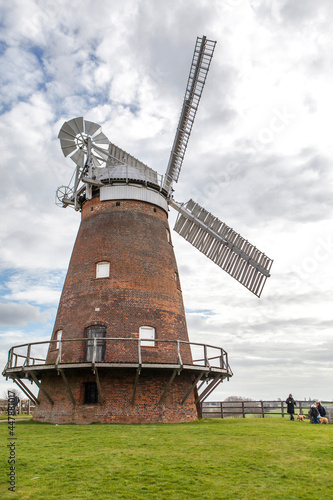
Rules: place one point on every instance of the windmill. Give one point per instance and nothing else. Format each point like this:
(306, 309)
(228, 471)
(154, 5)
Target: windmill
(120, 340)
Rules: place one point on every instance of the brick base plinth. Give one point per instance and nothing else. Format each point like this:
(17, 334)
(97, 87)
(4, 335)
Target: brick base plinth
(117, 391)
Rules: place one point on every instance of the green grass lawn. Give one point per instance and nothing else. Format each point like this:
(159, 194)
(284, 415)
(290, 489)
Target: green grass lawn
(209, 459)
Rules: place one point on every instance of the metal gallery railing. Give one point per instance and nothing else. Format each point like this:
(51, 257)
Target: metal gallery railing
(55, 352)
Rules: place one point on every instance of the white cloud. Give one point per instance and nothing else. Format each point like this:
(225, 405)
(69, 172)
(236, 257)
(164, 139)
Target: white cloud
(19, 314)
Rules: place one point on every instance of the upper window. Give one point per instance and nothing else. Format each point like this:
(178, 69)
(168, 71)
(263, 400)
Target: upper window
(177, 279)
(98, 332)
(58, 338)
(147, 336)
(168, 235)
(102, 269)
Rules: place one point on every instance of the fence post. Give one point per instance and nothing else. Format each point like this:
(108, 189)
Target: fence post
(300, 408)
(10, 358)
(205, 355)
(243, 409)
(94, 351)
(28, 355)
(282, 409)
(222, 415)
(262, 409)
(221, 359)
(28, 407)
(179, 358)
(139, 352)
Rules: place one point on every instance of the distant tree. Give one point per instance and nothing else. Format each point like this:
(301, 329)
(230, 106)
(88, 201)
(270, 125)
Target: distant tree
(4, 400)
(234, 405)
(16, 391)
(237, 398)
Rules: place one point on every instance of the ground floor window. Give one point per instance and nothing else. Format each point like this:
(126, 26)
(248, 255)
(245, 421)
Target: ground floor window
(90, 393)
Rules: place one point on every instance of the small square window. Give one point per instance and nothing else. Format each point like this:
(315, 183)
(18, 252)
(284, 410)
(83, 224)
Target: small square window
(147, 336)
(102, 269)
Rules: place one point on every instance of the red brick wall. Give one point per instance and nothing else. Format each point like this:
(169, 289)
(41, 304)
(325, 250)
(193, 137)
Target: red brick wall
(117, 389)
(141, 290)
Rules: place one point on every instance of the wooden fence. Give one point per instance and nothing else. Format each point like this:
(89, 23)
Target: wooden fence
(221, 409)
(25, 407)
(260, 409)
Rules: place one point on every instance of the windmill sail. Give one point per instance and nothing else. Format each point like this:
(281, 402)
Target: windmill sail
(223, 245)
(202, 57)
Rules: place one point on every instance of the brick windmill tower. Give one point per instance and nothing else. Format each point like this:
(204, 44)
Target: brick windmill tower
(120, 350)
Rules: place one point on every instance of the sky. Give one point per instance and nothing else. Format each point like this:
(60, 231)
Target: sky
(259, 158)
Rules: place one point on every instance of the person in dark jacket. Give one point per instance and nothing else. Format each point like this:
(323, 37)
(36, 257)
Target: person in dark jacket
(291, 403)
(321, 409)
(16, 403)
(314, 414)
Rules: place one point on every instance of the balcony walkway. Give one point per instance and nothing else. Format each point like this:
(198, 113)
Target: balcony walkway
(30, 361)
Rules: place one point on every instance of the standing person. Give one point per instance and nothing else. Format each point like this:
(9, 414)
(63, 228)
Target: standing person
(291, 403)
(321, 409)
(16, 403)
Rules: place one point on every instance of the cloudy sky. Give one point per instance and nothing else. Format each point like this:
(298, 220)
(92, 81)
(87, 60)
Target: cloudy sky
(260, 158)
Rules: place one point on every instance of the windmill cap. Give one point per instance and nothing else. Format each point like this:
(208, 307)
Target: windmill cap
(127, 172)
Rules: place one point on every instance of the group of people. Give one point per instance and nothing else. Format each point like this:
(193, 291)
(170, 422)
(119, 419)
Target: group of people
(316, 410)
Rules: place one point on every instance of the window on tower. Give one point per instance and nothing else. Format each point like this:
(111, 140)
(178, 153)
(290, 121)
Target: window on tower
(147, 336)
(176, 276)
(58, 338)
(103, 269)
(97, 332)
(90, 393)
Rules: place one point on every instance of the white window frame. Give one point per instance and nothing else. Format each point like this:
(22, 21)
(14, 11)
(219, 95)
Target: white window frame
(58, 338)
(103, 269)
(147, 336)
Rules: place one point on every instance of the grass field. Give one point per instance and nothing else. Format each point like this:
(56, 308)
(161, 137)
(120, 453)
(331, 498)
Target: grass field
(209, 459)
